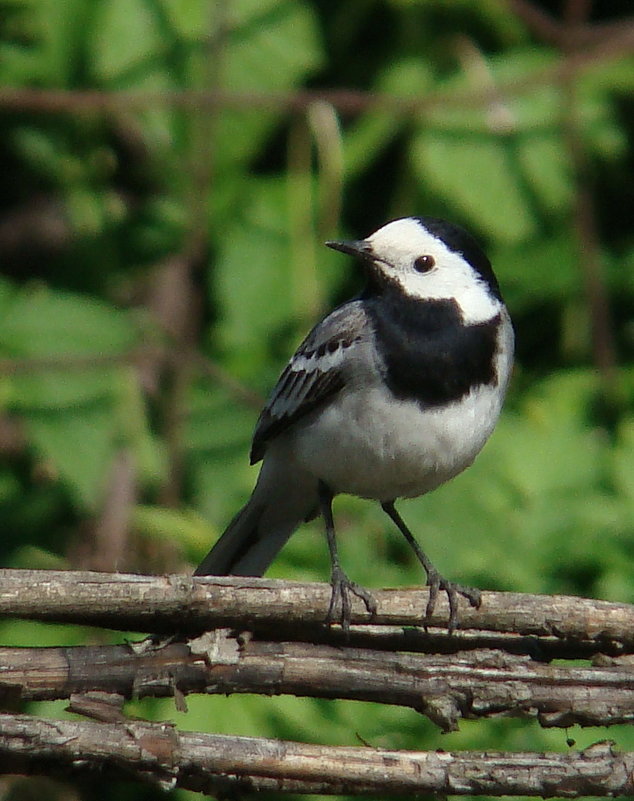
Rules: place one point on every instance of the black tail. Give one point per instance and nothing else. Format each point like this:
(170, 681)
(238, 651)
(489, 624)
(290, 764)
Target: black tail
(282, 499)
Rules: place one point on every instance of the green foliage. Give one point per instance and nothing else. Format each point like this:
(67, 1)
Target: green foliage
(120, 229)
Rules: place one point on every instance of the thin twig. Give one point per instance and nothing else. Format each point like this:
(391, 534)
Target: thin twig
(612, 45)
(547, 28)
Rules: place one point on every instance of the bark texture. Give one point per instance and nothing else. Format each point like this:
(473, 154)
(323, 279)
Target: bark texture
(224, 765)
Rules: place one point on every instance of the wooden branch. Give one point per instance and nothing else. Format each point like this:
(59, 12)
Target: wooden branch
(183, 603)
(444, 677)
(474, 684)
(212, 763)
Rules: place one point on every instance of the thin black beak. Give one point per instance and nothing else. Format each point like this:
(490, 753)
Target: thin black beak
(359, 248)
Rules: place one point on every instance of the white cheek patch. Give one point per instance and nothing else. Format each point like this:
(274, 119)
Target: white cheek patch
(470, 293)
(399, 243)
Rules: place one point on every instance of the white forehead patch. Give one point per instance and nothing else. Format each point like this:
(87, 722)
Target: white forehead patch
(403, 240)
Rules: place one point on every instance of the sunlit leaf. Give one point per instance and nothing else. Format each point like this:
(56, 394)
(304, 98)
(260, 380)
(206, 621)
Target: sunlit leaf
(126, 35)
(477, 176)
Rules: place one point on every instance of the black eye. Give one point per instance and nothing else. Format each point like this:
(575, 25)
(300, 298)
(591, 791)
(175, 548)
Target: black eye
(424, 263)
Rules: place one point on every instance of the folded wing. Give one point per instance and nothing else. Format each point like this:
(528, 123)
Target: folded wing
(315, 373)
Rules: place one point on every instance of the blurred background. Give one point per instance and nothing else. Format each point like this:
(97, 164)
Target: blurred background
(170, 170)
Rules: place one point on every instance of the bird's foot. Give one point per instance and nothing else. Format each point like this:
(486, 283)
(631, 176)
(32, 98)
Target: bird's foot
(339, 610)
(436, 583)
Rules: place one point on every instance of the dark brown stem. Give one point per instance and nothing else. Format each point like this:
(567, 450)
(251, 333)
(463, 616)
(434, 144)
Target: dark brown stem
(471, 685)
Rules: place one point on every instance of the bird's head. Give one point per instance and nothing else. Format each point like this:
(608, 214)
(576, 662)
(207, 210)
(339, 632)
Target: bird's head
(426, 258)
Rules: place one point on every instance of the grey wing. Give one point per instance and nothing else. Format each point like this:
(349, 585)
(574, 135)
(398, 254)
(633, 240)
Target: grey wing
(315, 373)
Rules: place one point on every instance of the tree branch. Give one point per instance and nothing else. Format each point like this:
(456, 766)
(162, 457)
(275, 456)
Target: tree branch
(445, 677)
(186, 604)
(474, 684)
(212, 763)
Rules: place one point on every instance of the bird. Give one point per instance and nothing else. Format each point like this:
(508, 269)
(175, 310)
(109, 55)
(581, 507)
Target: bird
(392, 394)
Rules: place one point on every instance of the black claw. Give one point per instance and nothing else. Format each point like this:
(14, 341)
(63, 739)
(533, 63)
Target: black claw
(436, 583)
(340, 608)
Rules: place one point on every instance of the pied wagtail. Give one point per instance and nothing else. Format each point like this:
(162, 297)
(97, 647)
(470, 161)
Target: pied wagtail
(392, 394)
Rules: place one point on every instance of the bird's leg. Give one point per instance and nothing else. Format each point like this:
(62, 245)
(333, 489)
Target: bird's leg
(435, 581)
(339, 608)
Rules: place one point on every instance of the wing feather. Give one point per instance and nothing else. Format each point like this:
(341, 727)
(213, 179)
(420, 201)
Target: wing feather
(315, 373)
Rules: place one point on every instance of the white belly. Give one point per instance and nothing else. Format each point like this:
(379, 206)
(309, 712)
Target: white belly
(368, 445)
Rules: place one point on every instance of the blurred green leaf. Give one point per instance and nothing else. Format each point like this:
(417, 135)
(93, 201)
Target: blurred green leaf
(9, 485)
(216, 422)
(126, 36)
(44, 49)
(366, 137)
(478, 177)
(537, 271)
(74, 332)
(29, 557)
(44, 322)
(253, 263)
(60, 388)
(78, 446)
(624, 461)
(544, 163)
(185, 527)
(189, 18)
(252, 266)
(7, 294)
(270, 52)
(42, 150)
